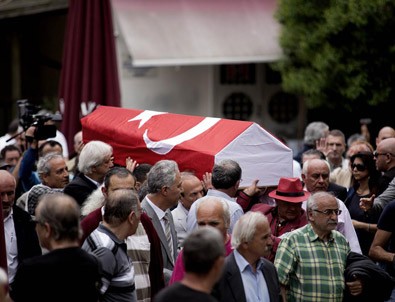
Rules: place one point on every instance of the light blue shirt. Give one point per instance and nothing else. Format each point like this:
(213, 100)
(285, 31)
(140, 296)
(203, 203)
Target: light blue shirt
(254, 283)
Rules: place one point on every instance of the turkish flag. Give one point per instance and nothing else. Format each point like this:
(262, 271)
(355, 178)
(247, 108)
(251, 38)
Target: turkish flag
(194, 142)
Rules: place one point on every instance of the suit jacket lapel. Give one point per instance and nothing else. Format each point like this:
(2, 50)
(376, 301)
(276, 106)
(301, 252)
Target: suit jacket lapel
(269, 282)
(158, 227)
(233, 277)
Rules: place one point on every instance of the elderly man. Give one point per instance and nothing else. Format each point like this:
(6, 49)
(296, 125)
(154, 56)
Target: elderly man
(77, 272)
(288, 214)
(315, 175)
(245, 268)
(21, 241)
(313, 134)
(311, 260)
(226, 176)
(94, 161)
(144, 247)
(204, 258)
(164, 189)
(120, 220)
(192, 189)
(211, 211)
(54, 176)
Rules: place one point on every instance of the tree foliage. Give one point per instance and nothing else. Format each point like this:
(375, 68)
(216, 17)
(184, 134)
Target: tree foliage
(338, 52)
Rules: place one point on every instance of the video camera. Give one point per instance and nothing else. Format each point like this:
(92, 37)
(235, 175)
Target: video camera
(29, 116)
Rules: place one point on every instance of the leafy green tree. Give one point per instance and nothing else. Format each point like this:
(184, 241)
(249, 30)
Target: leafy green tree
(338, 53)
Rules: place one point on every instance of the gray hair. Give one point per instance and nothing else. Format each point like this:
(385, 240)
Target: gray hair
(311, 204)
(245, 228)
(207, 201)
(314, 131)
(162, 174)
(307, 163)
(92, 155)
(119, 205)
(62, 213)
(201, 249)
(44, 163)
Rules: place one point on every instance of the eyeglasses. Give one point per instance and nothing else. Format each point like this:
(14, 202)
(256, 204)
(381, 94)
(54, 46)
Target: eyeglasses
(360, 167)
(377, 154)
(329, 212)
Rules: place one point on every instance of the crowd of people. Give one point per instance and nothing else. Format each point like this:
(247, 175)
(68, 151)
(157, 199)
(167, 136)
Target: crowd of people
(84, 229)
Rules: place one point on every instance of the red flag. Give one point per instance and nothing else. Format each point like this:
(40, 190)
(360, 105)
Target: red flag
(194, 142)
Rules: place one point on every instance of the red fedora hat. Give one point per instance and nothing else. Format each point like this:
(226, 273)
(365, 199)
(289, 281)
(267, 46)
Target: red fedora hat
(291, 190)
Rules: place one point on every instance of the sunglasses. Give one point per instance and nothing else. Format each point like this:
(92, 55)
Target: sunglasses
(359, 167)
(377, 154)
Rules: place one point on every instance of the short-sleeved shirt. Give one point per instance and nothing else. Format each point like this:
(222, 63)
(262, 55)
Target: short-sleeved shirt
(386, 223)
(313, 270)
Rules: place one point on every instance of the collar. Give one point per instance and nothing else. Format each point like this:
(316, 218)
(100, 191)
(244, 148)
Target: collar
(243, 264)
(92, 180)
(314, 237)
(10, 216)
(182, 208)
(216, 193)
(158, 211)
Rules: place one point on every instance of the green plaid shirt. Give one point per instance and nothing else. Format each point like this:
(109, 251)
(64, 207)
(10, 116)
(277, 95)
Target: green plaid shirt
(311, 269)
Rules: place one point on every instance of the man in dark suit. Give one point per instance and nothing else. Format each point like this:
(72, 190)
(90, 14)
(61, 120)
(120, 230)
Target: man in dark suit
(164, 191)
(246, 267)
(19, 230)
(94, 161)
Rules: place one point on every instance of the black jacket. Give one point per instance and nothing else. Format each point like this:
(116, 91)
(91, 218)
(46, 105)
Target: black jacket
(377, 283)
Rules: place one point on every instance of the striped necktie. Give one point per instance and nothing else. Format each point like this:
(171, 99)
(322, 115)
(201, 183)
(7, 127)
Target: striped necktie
(168, 234)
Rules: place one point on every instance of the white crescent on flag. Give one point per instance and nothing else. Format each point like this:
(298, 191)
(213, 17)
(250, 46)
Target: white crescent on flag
(165, 146)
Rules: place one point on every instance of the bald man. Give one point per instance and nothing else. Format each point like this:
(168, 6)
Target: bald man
(19, 229)
(192, 189)
(384, 133)
(385, 162)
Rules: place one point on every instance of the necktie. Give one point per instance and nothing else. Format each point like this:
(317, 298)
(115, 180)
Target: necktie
(168, 234)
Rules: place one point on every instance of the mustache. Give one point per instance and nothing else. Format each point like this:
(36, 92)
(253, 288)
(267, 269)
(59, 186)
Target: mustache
(332, 221)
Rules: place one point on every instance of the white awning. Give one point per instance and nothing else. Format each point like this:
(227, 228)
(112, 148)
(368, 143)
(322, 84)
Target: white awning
(190, 32)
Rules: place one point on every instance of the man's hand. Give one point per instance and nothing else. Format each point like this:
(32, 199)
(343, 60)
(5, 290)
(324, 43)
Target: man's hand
(320, 145)
(207, 184)
(131, 164)
(355, 287)
(366, 203)
(252, 189)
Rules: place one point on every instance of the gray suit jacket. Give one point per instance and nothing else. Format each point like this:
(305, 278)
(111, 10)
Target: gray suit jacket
(167, 262)
(230, 287)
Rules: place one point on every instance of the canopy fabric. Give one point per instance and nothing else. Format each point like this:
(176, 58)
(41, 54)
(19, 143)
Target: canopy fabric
(194, 142)
(89, 73)
(189, 32)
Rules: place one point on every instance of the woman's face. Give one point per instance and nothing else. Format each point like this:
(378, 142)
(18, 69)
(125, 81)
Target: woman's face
(359, 169)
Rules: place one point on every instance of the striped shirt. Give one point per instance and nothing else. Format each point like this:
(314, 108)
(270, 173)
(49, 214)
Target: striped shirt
(117, 269)
(138, 247)
(311, 269)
